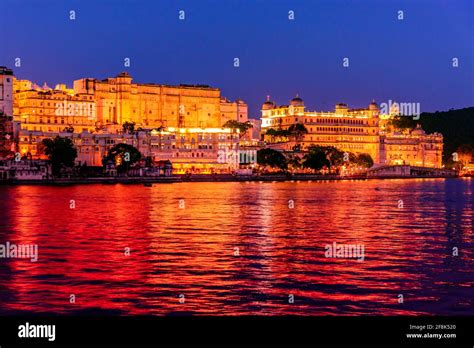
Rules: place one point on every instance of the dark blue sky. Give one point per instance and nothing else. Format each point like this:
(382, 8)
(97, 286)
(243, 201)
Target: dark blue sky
(407, 61)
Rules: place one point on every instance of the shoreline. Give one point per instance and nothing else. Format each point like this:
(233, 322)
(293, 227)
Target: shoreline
(205, 178)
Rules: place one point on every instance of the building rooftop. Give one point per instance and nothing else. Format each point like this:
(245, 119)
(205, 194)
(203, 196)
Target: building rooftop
(5, 71)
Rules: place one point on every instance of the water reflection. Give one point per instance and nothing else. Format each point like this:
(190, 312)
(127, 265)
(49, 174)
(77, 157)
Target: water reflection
(238, 248)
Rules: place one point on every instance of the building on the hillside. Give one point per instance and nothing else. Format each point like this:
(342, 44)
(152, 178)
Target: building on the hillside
(351, 130)
(236, 111)
(255, 132)
(92, 104)
(179, 123)
(53, 110)
(414, 148)
(118, 100)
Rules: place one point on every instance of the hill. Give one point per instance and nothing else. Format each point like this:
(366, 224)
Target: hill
(457, 127)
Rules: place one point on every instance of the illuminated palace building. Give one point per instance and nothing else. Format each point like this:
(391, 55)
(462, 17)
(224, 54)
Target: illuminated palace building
(186, 120)
(184, 123)
(93, 103)
(353, 130)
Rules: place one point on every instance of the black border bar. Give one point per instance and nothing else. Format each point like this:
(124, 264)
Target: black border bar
(240, 330)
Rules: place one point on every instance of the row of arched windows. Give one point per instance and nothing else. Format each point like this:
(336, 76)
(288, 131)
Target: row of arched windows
(337, 129)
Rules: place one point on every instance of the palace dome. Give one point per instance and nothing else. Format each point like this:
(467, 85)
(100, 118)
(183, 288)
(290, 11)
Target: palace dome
(297, 101)
(373, 105)
(268, 104)
(124, 74)
(418, 130)
(341, 108)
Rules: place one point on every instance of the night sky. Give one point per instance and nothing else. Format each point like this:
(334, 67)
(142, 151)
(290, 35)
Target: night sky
(406, 60)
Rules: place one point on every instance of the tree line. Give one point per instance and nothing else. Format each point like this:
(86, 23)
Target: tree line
(316, 159)
(62, 154)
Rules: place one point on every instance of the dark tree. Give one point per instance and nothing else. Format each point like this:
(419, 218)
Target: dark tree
(277, 133)
(68, 129)
(364, 160)
(61, 153)
(128, 127)
(271, 133)
(297, 130)
(294, 162)
(335, 156)
(271, 158)
(243, 127)
(123, 155)
(402, 122)
(316, 159)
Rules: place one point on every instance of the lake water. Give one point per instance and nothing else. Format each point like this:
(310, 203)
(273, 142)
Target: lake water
(241, 248)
